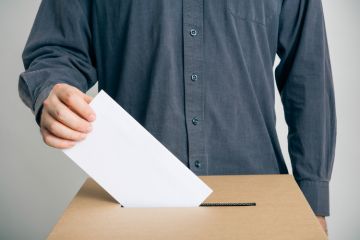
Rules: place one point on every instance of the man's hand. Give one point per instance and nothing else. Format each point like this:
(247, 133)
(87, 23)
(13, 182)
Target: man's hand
(322, 222)
(66, 116)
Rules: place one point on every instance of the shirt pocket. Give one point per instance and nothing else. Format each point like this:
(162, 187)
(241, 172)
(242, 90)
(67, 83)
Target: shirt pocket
(254, 11)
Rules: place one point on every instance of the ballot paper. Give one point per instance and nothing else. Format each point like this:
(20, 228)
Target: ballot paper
(131, 164)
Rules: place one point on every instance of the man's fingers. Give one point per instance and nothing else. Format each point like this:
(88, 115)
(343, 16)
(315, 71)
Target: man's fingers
(78, 102)
(60, 130)
(54, 141)
(66, 116)
(63, 114)
(88, 98)
(322, 221)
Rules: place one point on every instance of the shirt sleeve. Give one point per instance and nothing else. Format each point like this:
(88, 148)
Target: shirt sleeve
(58, 50)
(304, 80)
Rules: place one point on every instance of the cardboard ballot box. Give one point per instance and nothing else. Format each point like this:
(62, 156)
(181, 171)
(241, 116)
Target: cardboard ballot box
(281, 212)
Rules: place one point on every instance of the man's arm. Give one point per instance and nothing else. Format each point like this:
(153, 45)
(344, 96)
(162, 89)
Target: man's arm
(305, 84)
(59, 53)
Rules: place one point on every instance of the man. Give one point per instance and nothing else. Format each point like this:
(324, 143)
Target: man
(197, 74)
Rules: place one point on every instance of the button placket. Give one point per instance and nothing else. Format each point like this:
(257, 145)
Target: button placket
(194, 92)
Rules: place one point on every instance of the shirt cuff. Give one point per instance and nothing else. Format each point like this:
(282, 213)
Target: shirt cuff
(39, 102)
(317, 195)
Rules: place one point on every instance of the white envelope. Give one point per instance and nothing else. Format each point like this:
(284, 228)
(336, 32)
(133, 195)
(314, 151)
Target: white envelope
(131, 164)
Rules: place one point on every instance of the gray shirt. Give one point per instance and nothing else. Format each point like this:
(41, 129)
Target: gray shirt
(198, 75)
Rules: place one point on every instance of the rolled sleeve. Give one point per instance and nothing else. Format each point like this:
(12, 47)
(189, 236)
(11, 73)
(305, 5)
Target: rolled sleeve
(58, 50)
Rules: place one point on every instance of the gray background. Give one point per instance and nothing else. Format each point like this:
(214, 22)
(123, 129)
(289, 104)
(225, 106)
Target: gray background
(37, 182)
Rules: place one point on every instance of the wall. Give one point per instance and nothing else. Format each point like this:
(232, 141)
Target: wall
(37, 182)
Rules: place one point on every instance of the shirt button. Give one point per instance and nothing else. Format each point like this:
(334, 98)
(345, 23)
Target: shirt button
(193, 32)
(194, 77)
(195, 121)
(197, 164)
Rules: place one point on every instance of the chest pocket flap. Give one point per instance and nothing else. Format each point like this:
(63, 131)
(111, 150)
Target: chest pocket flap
(256, 11)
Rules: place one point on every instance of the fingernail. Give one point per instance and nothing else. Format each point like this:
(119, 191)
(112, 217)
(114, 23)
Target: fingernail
(92, 117)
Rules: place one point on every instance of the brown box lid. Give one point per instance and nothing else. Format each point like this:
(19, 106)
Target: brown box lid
(281, 212)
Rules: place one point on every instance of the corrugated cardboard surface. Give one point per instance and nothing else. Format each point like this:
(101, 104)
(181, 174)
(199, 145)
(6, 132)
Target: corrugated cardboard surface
(281, 213)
